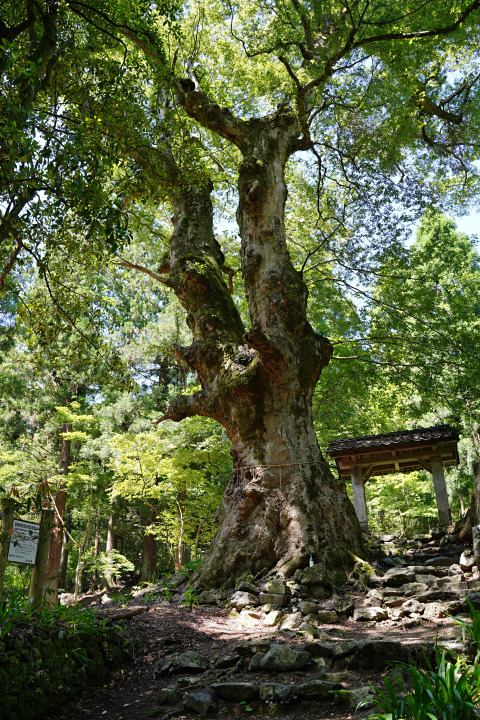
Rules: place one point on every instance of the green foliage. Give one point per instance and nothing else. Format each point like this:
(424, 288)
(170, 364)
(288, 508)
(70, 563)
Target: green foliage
(404, 504)
(179, 471)
(108, 563)
(18, 610)
(190, 598)
(451, 692)
(471, 626)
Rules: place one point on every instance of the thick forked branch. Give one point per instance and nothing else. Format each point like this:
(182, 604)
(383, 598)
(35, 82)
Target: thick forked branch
(276, 292)
(196, 274)
(217, 119)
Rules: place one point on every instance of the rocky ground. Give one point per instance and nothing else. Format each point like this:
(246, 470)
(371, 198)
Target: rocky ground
(288, 648)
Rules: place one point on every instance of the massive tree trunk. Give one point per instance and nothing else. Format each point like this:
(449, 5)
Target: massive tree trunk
(282, 504)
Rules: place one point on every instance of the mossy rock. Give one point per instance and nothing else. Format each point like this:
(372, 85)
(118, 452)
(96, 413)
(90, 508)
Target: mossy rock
(36, 670)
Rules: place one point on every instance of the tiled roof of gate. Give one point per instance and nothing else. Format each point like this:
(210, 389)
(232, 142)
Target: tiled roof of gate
(440, 433)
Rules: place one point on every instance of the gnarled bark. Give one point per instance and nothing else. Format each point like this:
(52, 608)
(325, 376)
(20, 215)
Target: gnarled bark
(282, 504)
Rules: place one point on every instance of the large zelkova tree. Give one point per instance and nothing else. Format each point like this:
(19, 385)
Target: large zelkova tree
(383, 98)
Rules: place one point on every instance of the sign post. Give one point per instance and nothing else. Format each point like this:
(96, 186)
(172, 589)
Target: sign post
(23, 542)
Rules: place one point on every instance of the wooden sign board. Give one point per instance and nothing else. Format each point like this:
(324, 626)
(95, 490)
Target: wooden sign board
(23, 542)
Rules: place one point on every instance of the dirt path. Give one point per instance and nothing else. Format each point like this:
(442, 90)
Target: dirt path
(132, 692)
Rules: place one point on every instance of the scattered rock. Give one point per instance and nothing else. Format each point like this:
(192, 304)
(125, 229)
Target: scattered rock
(284, 658)
(367, 614)
(435, 610)
(440, 561)
(377, 654)
(169, 695)
(351, 698)
(398, 576)
(292, 621)
(236, 691)
(274, 617)
(467, 560)
(190, 662)
(307, 607)
(248, 648)
(277, 587)
(327, 616)
(210, 597)
(317, 689)
(226, 662)
(413, 606)
(202, 703)
(275, 692)
(249, 587)
(240, 600)
(274, 599)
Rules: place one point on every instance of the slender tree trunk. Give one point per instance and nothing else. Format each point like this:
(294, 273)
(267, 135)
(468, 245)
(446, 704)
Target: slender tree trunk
(149, 558)
(38, 591)
(66, 543)
(6, 522)
(55, 554)
(112, 537)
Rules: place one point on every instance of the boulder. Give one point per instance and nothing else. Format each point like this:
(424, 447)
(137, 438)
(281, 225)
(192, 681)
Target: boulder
(413, 606)
(169, 695)
(249, 587)
(315, 575)
(248, 648)
(226, 662)
(319, 649)
(352, 698)
(318, 591)
(435, 610)
(327, 616)
(274, 617)
(467, 560)
(377, 654)
(202, 703)
(307, 607)
(348, 647)
(292, 621)
(367, 614)
(317, 689)
(398, 576)
(190, 662)
(284, 658)
(209, 597)
(440, 561)
(274, 599)
(236, 691)
(275, 692)
(277, 587)
(240, 599)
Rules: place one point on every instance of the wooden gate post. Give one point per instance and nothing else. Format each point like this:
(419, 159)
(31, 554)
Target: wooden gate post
(359, 501)
(36, 592)
(441, 495)
(6, 522)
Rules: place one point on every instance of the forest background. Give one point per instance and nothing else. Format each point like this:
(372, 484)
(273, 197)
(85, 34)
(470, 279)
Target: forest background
(89, 328)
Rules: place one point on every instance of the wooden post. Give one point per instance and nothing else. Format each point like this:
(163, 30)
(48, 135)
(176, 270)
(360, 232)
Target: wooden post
(6, 522)
(444, 514)
(36, 593)
(359, 502)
